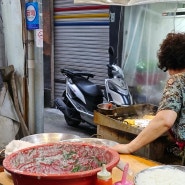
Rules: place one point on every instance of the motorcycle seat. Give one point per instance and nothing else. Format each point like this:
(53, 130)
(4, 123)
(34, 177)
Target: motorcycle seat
(74, 72)
(87, 87)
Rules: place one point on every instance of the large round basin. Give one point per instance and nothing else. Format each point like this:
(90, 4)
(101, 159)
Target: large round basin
(43, 138)
(59, 163)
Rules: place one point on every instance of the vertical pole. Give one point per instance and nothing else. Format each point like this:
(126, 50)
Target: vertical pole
(31, 83)
(35, 77)
(39, 78)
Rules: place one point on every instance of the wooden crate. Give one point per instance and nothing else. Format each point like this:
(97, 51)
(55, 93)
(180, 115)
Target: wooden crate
(112, 129)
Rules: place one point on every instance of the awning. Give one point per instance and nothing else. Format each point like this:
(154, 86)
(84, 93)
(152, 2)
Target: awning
(125, 2)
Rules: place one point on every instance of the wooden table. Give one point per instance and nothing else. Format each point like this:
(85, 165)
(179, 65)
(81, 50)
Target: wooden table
(136, 164)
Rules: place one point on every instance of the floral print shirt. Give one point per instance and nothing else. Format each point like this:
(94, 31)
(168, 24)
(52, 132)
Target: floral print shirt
(174, 99)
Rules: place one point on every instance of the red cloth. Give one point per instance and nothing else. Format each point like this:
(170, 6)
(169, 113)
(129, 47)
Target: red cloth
(180, 144)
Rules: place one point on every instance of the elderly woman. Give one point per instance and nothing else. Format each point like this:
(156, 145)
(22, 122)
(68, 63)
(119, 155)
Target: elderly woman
(171, 112)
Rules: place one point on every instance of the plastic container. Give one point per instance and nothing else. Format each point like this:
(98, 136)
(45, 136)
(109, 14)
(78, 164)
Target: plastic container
(43, 164)
(104, 177)
(124, 177)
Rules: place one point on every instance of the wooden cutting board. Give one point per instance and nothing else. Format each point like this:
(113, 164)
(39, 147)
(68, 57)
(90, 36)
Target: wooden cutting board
(136, 164)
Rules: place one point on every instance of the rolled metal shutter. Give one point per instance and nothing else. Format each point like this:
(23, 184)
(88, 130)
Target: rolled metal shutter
(81, 40)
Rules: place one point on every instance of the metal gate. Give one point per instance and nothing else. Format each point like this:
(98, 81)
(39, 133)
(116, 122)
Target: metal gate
(81, 40)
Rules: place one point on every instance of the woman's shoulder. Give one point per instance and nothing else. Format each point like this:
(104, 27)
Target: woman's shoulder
(179, 77)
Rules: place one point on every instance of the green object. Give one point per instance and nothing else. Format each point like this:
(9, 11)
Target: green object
(141, 67)
(145, 66)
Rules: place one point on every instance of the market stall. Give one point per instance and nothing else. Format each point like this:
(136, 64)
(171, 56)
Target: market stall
(120, 128)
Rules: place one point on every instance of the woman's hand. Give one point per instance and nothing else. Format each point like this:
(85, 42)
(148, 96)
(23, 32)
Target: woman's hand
(161, 123)
(121, 148)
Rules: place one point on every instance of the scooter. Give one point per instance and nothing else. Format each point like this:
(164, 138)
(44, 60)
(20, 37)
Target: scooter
(82, 96)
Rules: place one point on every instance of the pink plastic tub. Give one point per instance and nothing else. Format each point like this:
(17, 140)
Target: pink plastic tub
(59, 164)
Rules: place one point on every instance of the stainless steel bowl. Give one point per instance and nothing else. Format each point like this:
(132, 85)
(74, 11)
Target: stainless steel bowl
(106, 108)
(48, 137)
(162, 167)
(92, 141)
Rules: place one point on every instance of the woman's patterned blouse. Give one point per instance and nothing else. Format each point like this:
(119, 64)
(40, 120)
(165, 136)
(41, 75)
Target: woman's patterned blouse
(174, 99)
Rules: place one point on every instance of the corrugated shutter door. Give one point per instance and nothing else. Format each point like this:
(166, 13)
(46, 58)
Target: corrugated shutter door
(81, 40)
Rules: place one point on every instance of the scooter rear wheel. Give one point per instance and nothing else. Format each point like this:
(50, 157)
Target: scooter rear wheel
(71, 122)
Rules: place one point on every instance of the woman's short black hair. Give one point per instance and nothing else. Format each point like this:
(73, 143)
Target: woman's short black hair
(171, 54)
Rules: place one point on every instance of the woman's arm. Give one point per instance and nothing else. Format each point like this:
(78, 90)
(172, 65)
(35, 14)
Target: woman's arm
(161, 123)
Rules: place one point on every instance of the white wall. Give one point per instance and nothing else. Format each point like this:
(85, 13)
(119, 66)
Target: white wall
(13, 43)
(12, 24)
